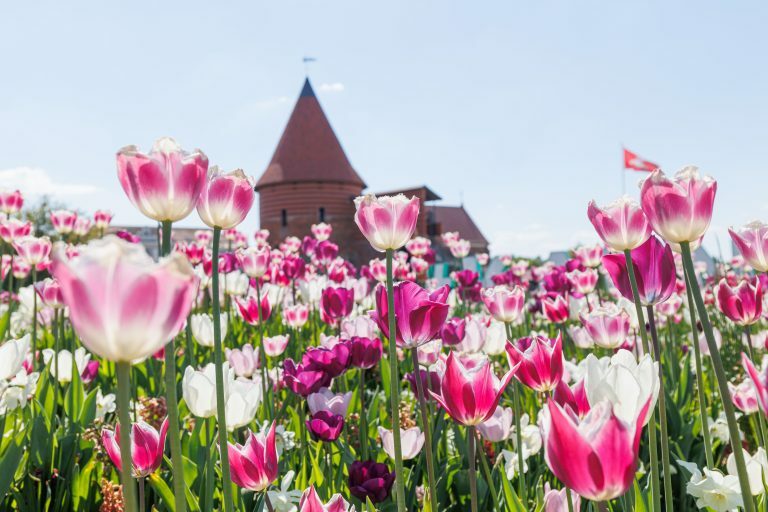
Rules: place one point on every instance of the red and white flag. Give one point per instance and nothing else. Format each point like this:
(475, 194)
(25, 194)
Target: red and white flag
(634, 162)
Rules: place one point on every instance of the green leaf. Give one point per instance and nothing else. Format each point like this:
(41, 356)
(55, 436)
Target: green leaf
(640, 500)
(510, 497)
(9, 462)
(369, 506)
(162, 489)
(88, 411)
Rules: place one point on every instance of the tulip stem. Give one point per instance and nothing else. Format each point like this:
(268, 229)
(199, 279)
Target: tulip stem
(569, 499)
(722, 379)
(472, 469)
(426, 428)
(518, 410)
(394, 385)
(123, 369)
(172, 401)
(268, 502)
(141, 495)
(662, 413)
(699, 377)
(263, 356)
(34, 321)
(363, 427)
(653, 444)
(489, 478)
(218, 358)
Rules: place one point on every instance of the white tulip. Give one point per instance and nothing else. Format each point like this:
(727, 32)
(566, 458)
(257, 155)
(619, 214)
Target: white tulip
(202, 328)
(411, 442)
(64, 358)
(243, 399)
(199, 389)
(12, 354)
(757, 469)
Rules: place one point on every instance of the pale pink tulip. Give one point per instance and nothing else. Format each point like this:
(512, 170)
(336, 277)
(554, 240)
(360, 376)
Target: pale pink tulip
(12, 229)
(411, 442)
(225, 198)
(622, 224)
(254, 261)
(752, 243)
(327, 400)
(310, 502)
(608, 326)
(744, 396)
(63, 221)
(388, 222)
(101, 219)
(503, 303)
(296, 316)
(11, 201)
(275, 345)
(33, 250)
(583, 282)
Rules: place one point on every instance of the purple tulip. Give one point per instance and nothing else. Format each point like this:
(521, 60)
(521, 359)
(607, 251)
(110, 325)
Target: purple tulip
(419, 314)
(654, 267)
(364, 352)
(336, 303)
(333, 361)
(302, 380)
(325, 426)
(453, 331)
(369, 479)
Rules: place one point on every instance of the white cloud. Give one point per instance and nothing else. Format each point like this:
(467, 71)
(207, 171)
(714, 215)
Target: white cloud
(537, 240)
(34, 181)
(334, 87)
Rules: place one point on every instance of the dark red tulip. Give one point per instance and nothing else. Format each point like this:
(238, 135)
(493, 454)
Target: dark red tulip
(364, 352)
(369, 479)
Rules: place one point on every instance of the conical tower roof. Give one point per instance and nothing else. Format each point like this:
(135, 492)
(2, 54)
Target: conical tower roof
(308, 150)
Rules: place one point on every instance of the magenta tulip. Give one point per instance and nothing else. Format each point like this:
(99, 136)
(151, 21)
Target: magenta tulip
(310, 502)
(254, 261)
(365, 353)
(759, 380)
(254, 465)
(418, 313)
(336, 303)
(453, 331)
(225, 198)
(11, 201)
(742, 304)
(654, 268)
(250, 306)
(539, 361)
(574, 397)
(13, 229)
(555, 308)
(388, 222)
(304, 379)
(752, 243)
(147, 447)
(370, 480)
(679, 209)
(470, 395)
(621, 225)
(325, 426)
(33, 250)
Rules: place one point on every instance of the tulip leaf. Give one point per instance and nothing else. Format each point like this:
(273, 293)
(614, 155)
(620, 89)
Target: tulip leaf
(88, 412)
(162, 489)
(640, 499)
(368, 505)
(510, 497)
(9, 462)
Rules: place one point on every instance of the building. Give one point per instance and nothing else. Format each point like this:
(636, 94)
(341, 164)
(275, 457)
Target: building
(311, 180)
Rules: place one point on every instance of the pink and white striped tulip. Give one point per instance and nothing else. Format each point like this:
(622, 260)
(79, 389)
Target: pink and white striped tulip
(165, 183)
(33, 250)
(12, 229)
(102, 219)
(321, 231)
(49, 292)
(743, 303)
(589, 256)
(11, 201)
(759, 381)
(310, 502)
(555, 308)
(147, 447)
(254, 465)
(539, 361)
(418, 246)
(679, 208)
(411, 442)
(608, 325)
(327, 400)
(470, 395)
(752, 243)
(388, 222)
(82, 226)
(583, 282)
(123, 305)
(254, 261)
(275, 345)
(621, 225)
(503, 303)
(744, 396)
(296, 316)
(225, 198)
(460, 248)
(63, 221)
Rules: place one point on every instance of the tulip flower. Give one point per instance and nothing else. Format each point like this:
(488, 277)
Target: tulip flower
(254, 465)
(608, 326)
(679, 209)
(621, 225)
(589, 256)
(33, 250)
(13, 229)
(498, 427)
(539, 361)
(82, 226)
(12, 356)
(757, 469)
(49, 292)
(418, 313)
(333, 360)
(64, 362)
(199, 389)
(11, 201)
(336, 303)
(295, 316)
(275, 345)
(165, 183)
(225, 198)
(744, 396)
(412, 440)
(557, 501)
(654, 266)
(504, 304)
(453, 331)
(250, 306)
(63, 221)
(752, 243)
(759, 380)
(310, 502)
(742, 304)
(101, 219)
(370, 480)
(244, 362)
(470, 395)
(304, 379)
(365, 353)
(254, 261)
(123, 305)
(573, 397)
(325, 426)
(460, 248)
(147, 447)
(555, 308)
(583, 282)
(243, 398)
(293, 267)
(201, 325)
(327, 400)
(388, 222)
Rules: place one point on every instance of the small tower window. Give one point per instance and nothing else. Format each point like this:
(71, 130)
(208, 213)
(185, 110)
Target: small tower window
(321, 214)
(284, 218)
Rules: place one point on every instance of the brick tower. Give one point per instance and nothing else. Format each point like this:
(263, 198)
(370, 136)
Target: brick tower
(310, 180)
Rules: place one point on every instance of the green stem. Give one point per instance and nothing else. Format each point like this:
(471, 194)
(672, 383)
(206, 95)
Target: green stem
(489, 479)
(569, 498)
(722, 380)
(518, 411)
(699, 378)
(123, 410)
(425, 426)
(662, 414)
(34, 321)
(653, 444)
(394, 385)
(263, 355)
(472, 469)
(172, 402)
(363, 427)
(218, 358)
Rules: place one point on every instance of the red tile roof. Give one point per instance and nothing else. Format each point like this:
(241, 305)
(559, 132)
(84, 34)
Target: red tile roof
(456, 218)
(308, 149)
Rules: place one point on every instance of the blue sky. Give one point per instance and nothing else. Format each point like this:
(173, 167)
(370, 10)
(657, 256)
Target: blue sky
(519, 108)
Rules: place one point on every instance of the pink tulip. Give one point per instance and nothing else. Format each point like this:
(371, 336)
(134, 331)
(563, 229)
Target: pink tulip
(589, 256)
(20, 268)
(321, 231)
(539, 361)
(250, 306)
(744, 396)
(63, 221)
(244, 361)
(621, 225)
(147, 447)
(327, 400)
(503, 303)
(759, 380)
(49, 292)
(470, 395)
(123, 305)
(254, 261)
(11, 201)
(419, 314)
(594, 456)
(418, 246)
(608, 326)
(82, 226)
(11, 229)
(411, 442)
(752, 242)
(33, 250)
(225, 199)
(557, 501)
(654, 269)
(574, 397)
(742, 304)
(498, 427)
(165, 183)
(101, 219)
(388, 222)
(336, 303)
(295, 316)
(679, 209)
(583, 282)
(253, 465)
(275, 345)
(365, 353)
(555, 308)
(310, 502)
(378, 269)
